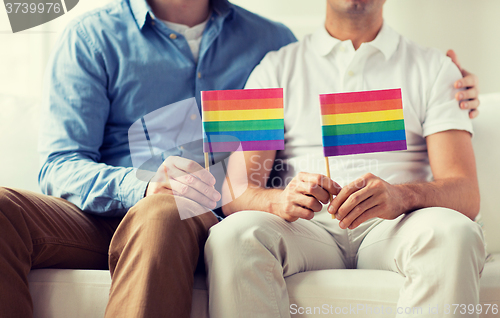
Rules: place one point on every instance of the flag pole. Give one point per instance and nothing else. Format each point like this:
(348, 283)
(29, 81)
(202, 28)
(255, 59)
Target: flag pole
(328, 175)
(227, 179)
(207, 163)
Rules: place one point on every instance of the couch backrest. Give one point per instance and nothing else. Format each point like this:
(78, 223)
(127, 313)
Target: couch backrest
(486, 142)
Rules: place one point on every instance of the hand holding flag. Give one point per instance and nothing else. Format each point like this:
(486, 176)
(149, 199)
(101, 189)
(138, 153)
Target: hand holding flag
(362, 122)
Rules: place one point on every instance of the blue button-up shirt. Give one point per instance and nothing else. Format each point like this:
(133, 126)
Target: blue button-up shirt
(115, 65)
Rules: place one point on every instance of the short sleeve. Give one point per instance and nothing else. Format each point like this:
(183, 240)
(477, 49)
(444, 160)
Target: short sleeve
(443, 111)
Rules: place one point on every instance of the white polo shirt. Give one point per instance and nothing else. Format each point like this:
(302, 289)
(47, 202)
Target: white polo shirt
(321, 64)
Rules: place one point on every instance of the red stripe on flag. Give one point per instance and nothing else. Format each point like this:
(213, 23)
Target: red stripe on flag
(242, 94)
(355, 97)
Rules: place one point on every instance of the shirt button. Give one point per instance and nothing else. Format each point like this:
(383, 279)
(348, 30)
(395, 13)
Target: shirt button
(350, 73)
(173, 36)
(193, 117)
(182, 147)
(153, 23)
(342, 49)
(199, 74)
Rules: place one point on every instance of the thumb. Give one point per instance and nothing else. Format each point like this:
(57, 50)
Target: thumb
(453, 56)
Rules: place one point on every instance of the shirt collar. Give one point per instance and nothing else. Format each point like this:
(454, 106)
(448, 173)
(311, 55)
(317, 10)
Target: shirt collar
(141, 10)
(386, 41)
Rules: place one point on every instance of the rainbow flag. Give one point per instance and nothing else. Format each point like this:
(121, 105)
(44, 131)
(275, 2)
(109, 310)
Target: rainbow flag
(362, 122)
(243, 120)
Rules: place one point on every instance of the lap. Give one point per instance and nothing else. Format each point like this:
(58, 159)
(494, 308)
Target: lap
(56, 232)
(301, 245)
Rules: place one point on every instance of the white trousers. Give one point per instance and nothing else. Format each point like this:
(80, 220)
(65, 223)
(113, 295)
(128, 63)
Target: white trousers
(439, 252)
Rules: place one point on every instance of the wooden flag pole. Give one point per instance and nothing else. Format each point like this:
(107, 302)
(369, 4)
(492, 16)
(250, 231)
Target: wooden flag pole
(207, 163)
(328, 175)
(227, 179)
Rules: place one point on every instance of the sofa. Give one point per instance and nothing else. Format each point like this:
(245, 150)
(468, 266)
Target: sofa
(63, 293)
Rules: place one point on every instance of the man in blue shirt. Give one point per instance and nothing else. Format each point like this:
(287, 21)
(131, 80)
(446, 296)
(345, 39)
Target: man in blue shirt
(111, 68)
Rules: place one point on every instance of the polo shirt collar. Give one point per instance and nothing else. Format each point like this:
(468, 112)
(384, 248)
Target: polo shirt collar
(386, 41)
(141, 10)
(323, 42)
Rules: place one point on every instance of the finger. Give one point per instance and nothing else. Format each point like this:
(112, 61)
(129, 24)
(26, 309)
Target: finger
(297, 211)
(191, 167)
(160, 175)
(308, 188)
(369, 214)
(158, 187)
(198, 185)
(466, 95)
(352, 202)
(308, 202)
(345, 193)
(453, 56)
(473, 113)
(183, 190)
(356, 212)
(470, 104)
(469, 80)
(326, 183)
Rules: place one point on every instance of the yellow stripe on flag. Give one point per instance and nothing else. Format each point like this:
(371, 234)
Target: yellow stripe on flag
(364, 117)
(247, 114)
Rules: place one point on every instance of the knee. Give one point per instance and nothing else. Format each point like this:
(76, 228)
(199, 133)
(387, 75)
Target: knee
(159, 215)
(5, 199)
(154, 208)
(451, 231)
(10, 206)
(242, 232)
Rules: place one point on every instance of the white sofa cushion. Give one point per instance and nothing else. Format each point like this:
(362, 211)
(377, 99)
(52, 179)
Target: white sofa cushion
(64, 293)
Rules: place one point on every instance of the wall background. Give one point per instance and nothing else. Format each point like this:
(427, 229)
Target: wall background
(470, 27)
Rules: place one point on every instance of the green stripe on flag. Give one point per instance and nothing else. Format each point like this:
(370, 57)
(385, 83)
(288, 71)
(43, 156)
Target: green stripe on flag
(242, 125)
(335, 130)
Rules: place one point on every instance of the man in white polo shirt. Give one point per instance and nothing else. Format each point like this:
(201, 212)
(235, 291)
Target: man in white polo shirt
(409, 211)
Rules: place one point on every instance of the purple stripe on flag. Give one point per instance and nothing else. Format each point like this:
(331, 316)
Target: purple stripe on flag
(244, 146)
(364, 148)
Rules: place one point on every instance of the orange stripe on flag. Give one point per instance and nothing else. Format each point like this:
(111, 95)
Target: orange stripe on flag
(242, 104)
(359, 107)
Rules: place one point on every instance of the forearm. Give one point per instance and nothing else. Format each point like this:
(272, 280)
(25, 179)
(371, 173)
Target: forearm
(460, 194)
(93, 187)
(254, 198)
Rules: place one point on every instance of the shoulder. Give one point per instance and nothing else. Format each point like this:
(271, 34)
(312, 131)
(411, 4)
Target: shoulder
(426, 58)
(112, 18)
(260, 27)
(287, 56)
(276, 68)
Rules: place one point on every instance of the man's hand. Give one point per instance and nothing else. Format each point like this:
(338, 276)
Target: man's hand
(184, 177)
(468, 98)
(303, 196)
(366, 198)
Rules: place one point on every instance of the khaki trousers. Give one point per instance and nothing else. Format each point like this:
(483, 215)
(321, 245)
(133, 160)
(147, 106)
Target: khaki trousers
(151, 253)
(439, 252)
